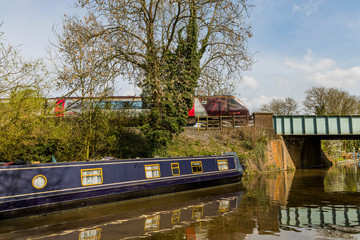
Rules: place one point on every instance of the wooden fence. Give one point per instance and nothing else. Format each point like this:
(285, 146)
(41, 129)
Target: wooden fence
(220, 122)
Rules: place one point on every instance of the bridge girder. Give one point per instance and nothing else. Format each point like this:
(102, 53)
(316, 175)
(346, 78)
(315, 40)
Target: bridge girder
(325, 126)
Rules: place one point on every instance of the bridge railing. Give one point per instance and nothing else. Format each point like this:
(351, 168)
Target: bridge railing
(316, 125)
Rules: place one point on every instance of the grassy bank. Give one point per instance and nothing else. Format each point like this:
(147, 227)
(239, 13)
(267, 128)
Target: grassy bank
(248, 142)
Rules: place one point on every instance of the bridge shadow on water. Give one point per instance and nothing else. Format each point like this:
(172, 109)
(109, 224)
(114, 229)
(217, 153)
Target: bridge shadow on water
(302, 204)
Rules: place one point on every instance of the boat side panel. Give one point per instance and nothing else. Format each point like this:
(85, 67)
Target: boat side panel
(19, 182)
(101, 196)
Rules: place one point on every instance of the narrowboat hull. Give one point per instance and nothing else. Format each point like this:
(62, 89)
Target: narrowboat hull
(42, 188)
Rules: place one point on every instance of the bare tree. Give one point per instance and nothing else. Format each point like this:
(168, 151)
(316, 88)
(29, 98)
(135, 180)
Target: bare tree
(167, 47)
(83, 75)
(16, 72)
(287, 106)
(78, 68)
(330, 101)
(137, 35)
(227, 55)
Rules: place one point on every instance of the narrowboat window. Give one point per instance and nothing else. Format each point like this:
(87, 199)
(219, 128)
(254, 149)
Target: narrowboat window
(197, 212)
(90, 234)
(196, 167)
(91, 176)
(175, 168)
(223, 165)
(152, 171)
(175, 218)
(152, 223)
(39, 181)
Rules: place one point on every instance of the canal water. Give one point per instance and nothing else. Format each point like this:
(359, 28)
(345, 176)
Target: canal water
(302, 204)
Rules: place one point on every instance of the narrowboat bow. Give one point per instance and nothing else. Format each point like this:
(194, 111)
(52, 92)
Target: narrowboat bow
(41, 188)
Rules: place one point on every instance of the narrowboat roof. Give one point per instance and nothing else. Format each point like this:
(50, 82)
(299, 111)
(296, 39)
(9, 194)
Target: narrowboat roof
(113, 160)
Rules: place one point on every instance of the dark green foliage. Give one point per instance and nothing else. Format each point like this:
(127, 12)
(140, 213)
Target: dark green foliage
(68, 144)
(189, 56)
(171, 93)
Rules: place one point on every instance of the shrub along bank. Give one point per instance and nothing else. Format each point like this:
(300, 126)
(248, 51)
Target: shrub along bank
(30, 132)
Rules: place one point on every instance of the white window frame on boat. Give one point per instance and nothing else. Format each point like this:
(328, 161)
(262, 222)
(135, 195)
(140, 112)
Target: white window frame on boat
(223, 164)
(152, 171)
(91, 177)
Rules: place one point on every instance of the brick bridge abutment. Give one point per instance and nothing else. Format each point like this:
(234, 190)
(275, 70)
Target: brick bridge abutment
(292, 151)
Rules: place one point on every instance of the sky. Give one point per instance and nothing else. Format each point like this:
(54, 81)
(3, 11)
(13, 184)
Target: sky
(296, 44)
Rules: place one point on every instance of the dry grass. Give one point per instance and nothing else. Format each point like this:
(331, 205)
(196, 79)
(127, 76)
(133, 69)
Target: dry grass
(248, 142)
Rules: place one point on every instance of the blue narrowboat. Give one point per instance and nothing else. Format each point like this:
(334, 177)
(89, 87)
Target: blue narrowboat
(40, 188)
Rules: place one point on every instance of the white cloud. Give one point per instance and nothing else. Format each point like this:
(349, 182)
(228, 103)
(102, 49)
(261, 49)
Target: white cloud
(308, 7)
(254, 104)
(249, 82)
(308, 57)
(337, 77)
(308, 65)
(322, 71)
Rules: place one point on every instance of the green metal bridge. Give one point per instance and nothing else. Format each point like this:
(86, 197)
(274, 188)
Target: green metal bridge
(345, 126)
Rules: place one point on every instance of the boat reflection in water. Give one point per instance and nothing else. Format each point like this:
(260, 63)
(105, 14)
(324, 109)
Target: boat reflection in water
(147, 225)
(157, 215)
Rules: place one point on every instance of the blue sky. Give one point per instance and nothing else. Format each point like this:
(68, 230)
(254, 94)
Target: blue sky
(296, 44)
(299, 44)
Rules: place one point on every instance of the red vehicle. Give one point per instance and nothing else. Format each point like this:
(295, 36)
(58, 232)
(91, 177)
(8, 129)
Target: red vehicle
(218, 106)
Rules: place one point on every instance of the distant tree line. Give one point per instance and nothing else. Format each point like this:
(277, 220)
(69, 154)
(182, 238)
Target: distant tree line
(330, 101)
(318, 101)
(287, 106)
